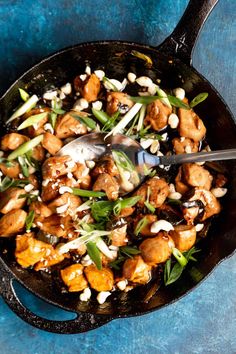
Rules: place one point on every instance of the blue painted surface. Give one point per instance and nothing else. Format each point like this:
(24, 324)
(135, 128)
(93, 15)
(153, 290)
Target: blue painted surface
(205, 320)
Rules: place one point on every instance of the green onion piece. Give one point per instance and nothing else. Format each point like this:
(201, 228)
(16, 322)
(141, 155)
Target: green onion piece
(4, 161)
(32, 120)
(174, 274)
(101, 116)
(109, 84)
(189, 254)
(125, 203)
(198, 99)
(88, 194)
(176, 102)
(140, 225)
(94, 254)
(141, 117)
(111, 122)
(122, 160)
(127, 250)
(58, 110)
(195, 274)
(150, 207)
(179, 257)
(25, 147)
(167, 270)
(85, 121)
(53, 119)
(29, 220)
(144, 99)
(163, 97)
(23, 94)
(28, 105)
(7, 182)
(146, 58)
(23, 165)
(101, 210)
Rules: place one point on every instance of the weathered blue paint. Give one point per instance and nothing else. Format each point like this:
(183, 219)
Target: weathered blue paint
(205, 320)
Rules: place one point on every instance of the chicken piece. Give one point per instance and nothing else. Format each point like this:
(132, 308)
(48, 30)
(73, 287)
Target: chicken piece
(38, 153)
(157, 115)
(180, 186)
(66, 204)
(108, 184)
(33, 180)
(29, 251)
(52, 258)
(82, 176)
(12, 222)
(184, 237)
(10, 200)
(126, 212)
(118, 101)
(51, 143)
(159, 191)
(99, 280)
(57, 225)
(41, 211)
(57, 166)
(136, 270)
(105, 165)
(184, 145)
(73, 277)
(37, 129)
(196, 176)
(157, 249)
(118, 236)
(89, 88)
(211, 205)
(67, 126)
(12, 141)
(190, 125)
(50, 188)
(146, 230)
(13, 171)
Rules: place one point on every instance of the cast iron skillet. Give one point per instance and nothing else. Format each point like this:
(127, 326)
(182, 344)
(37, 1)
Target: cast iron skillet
(172, 63)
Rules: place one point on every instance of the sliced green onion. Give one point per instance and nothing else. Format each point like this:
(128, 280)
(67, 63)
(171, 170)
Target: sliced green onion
(176, 102)
(7, 182)
(124, 203)
(111, 122)
(29, 220)
(144, 99)
(127, 250)
(23, 94)
(28, 105)
(170, 276)
(85, 121)
(53, 119)
(198, 99)
(101, 210)
(101, 116)
(94, 254)
(140, 225)
(86, 193)
(58, 110)
(122, 160)
(32, 120)
(179, 257)
(109, 84)
(4, 161)
(150, 207)
(146, 58)
(25, 147)
(141, 117)
(23, 165)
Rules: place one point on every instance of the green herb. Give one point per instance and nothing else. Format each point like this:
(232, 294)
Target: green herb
(94, 254)
(6, 162)
(163, 96)
(36, 118)
(87, 194)
(7, 182)
(148, 204)
(124, 253)
(29, 220)
(176, 102)
(198, 99)
(124, 203)
(101, 210)
(27, 106)
(31, 161)
(29, 197)
(101, 116)
(111, 123)
(85, 121)
(53, 119)
(131, 129)
(122, 160)
(174, 201)
(109, 84)
(58, 110)
(179, 257)
(146, 58)
(143, 99)
(189, 254)
(23, 94)
(116, 264)
(174, 273)
(23, 165)
(140, 225)
(25, 147)
(129, 251)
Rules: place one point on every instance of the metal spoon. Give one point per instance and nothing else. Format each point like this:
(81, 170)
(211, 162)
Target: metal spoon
(93, 146)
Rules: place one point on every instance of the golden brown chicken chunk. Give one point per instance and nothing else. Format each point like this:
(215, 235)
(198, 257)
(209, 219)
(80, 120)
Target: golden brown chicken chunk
(66, 204)
(73, 277)
(184, 237)
(157, 249)
(108, 184)
(184, 145)
(10, 200)
(67, 126)
(51, 143)
(38, 128)
(118, 236)
(41, 211)
(105, 165)
(83, 178)
(99, 280)
(158, 190)
(50, 188)
(38, 153)
(12, 171)
(146, 230)
(190, 125)
(12, 222)
(136, 270)
(180, 186)
(157, 115)
(57, 166)
(89, 88)
(197, 176)
(118, 101)
(52, 258)
(12, 141)
(56, 225)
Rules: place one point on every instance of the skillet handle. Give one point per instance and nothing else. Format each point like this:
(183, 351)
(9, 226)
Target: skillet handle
(82, 323)
(182, 40)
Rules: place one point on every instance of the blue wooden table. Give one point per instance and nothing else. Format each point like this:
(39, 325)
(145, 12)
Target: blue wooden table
(205, 320)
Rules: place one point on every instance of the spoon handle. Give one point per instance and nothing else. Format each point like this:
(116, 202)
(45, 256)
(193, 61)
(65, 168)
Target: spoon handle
(198, 157)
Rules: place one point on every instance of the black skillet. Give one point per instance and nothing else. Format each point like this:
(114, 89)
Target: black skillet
(172, 64)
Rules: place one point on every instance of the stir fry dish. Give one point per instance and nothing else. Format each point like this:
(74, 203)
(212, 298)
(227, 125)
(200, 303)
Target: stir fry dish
(70, 218)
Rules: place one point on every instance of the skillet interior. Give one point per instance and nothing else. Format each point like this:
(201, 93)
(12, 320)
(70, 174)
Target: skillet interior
(221, 240)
